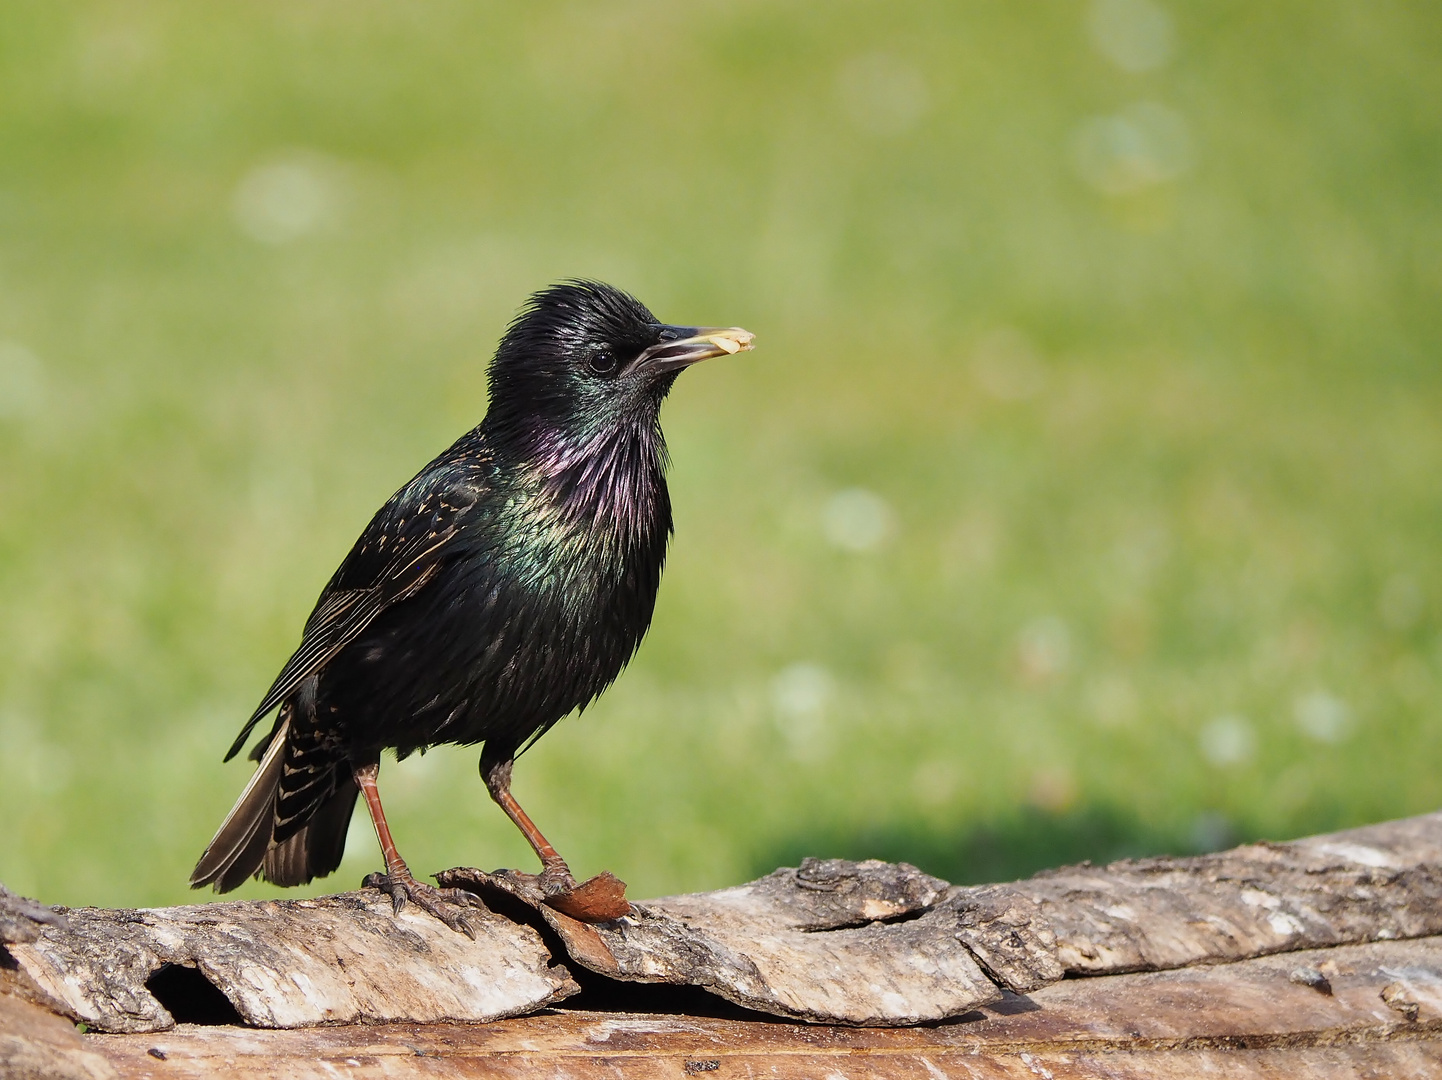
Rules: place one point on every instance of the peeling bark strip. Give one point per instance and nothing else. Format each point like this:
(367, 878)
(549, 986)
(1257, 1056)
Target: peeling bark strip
(22, 919)
(835, 942)
(292, 963)
(1377, 883)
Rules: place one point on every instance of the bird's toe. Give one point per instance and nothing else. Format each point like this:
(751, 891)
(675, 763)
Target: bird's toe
(441, 903)
(556, 880)
(394, 887)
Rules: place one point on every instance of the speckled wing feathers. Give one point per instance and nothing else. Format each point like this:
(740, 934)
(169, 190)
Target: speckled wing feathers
(400, 551)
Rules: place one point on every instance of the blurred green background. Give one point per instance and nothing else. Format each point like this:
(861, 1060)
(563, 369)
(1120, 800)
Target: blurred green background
(1081, 498)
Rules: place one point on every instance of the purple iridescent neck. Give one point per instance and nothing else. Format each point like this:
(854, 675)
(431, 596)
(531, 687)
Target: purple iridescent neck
(611, 478)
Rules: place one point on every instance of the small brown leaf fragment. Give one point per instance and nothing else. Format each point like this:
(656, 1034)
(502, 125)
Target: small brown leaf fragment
(600, 899)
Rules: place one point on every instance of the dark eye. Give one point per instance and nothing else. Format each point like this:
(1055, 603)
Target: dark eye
(602, 361)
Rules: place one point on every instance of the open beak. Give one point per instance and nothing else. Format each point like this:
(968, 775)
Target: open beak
(682, 346)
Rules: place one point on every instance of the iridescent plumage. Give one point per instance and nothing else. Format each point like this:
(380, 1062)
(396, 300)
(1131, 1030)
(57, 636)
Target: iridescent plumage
(504, 587)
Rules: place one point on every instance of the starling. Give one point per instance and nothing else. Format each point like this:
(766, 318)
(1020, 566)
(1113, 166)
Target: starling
(504, 587)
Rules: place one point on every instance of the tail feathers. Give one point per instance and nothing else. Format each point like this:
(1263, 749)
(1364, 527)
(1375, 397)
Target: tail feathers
(246, 845)
(245, 861)
(316, 848)
(239, 846)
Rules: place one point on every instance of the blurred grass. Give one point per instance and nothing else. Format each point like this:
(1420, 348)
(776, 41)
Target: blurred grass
(1146, 400)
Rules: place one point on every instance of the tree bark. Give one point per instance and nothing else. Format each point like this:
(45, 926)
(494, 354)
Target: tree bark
(865, 943)
(289, 963)
(1249, 1020)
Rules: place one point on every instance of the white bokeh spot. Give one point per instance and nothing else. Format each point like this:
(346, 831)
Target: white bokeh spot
(1227, 741)
(857, 520)
(1135, 35)
(1323, 717)
(283, 201)
(1044, 648)
(882, 94)
(1143, 145)
(801, 694)
(22, 381)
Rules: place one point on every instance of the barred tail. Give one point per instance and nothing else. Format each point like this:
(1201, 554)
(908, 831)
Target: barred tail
(246, 843)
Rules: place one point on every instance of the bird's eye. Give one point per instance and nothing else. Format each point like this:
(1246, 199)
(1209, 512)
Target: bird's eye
(602, 361)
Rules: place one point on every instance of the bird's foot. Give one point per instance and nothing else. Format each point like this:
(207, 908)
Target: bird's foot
(555, 879)
(598, 900)
(442, 903)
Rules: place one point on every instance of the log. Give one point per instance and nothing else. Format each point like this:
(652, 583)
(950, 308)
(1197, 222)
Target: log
(833, 942)
(288, 963)
(1377, 883)
(1249, 1019)
(769, 944)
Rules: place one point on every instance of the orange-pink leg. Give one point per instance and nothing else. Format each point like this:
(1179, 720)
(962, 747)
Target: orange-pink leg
(555, 874)
(397, 882)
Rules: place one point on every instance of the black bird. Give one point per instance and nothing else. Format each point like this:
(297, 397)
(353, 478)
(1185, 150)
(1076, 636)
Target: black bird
(504, 587)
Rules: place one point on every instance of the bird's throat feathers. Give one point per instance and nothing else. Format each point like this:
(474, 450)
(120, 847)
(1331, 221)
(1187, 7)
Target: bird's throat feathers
(611, 479)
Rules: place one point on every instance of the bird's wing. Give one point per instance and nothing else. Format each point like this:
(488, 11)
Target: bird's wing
(400, 551)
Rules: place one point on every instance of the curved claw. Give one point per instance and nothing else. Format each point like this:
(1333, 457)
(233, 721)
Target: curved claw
(556, 879)
(428, 898)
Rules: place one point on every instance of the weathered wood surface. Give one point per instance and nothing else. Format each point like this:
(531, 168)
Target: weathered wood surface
(1253, 1018)
(772, 945)
(22, 919)
(1376, 883)
(291, 963)
(830, 942)
(38, 1045)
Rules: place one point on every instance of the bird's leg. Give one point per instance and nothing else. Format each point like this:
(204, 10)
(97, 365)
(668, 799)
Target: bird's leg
(365, 778)
(555, 874)
(397, 882)
(601, 899)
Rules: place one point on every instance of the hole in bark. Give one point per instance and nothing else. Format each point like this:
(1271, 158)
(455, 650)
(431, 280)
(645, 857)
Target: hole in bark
(7, 962)
(190, 997)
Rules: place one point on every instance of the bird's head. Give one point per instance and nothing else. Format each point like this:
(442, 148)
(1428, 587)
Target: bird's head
(584, 360)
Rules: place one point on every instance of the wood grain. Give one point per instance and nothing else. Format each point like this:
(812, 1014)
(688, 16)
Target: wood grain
(830, 942)
(1246, 1019)
(1378, 883)
(291, 963)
